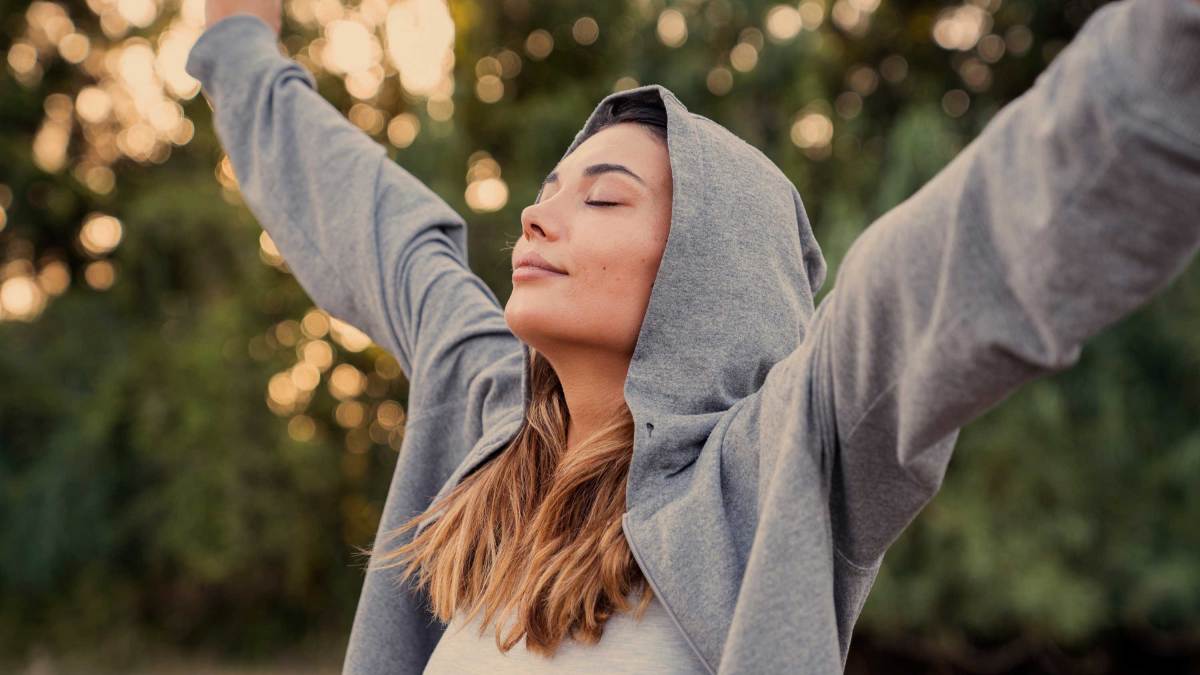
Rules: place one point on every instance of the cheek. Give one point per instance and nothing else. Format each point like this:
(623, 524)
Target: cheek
(624, 274)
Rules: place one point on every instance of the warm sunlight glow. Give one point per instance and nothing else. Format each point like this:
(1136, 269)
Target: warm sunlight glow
(420, 42)
(783, 23)
(100, 234)
(672, 28)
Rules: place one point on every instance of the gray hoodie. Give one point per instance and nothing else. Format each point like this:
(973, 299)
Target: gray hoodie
(779, 449)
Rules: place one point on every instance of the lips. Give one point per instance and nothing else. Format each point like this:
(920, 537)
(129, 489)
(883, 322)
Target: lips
(532, 259)
(529, 272)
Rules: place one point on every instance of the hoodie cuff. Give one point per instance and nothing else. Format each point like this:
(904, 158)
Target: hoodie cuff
(229, 50)
(1152, 51)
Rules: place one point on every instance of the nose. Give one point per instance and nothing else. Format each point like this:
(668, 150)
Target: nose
(536, 220)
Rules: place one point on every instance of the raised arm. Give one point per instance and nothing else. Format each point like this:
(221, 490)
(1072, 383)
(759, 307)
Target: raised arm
(371, 244)
(1076, 204)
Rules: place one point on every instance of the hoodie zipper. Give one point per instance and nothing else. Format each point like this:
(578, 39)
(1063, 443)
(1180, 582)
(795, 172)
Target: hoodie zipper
(654, 587)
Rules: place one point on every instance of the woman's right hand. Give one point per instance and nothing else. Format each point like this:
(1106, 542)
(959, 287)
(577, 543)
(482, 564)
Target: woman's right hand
(270, 11)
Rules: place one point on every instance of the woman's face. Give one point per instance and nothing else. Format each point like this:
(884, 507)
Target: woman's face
(606, 230)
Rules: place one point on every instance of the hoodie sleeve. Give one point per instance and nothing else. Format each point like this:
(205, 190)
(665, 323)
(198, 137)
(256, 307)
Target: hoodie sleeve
(370, 243)
(1078, 202)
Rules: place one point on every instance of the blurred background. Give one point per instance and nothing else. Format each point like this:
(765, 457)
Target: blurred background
(190, 451)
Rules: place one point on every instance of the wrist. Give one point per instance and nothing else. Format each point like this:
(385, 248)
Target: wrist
(270, 12)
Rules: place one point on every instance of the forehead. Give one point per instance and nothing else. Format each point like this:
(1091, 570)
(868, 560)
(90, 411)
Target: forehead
(624, 143)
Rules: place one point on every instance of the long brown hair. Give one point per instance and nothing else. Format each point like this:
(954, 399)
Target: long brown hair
(536, 531)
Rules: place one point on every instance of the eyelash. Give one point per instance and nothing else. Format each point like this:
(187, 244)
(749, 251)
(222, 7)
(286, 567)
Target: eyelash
(589, 203)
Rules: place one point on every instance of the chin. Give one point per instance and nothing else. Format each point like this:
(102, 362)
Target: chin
(530, 322)
(545, 329)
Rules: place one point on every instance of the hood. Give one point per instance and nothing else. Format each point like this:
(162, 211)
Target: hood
(734, 291)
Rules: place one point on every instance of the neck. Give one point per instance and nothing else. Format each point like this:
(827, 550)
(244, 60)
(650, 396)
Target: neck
(593, 384)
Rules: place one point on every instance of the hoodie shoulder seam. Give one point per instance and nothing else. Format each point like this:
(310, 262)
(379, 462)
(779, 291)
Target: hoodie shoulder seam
(858, 567)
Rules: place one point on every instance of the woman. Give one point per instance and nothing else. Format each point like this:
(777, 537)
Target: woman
(669, 419)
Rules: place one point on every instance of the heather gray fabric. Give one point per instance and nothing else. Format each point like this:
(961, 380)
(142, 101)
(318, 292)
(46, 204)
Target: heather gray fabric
(779, 450)
(651, 646)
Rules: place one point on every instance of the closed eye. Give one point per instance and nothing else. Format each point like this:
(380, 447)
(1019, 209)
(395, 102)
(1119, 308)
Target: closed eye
(594, 203)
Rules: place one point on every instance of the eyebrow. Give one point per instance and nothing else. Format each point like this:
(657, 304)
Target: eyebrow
(596, 170)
